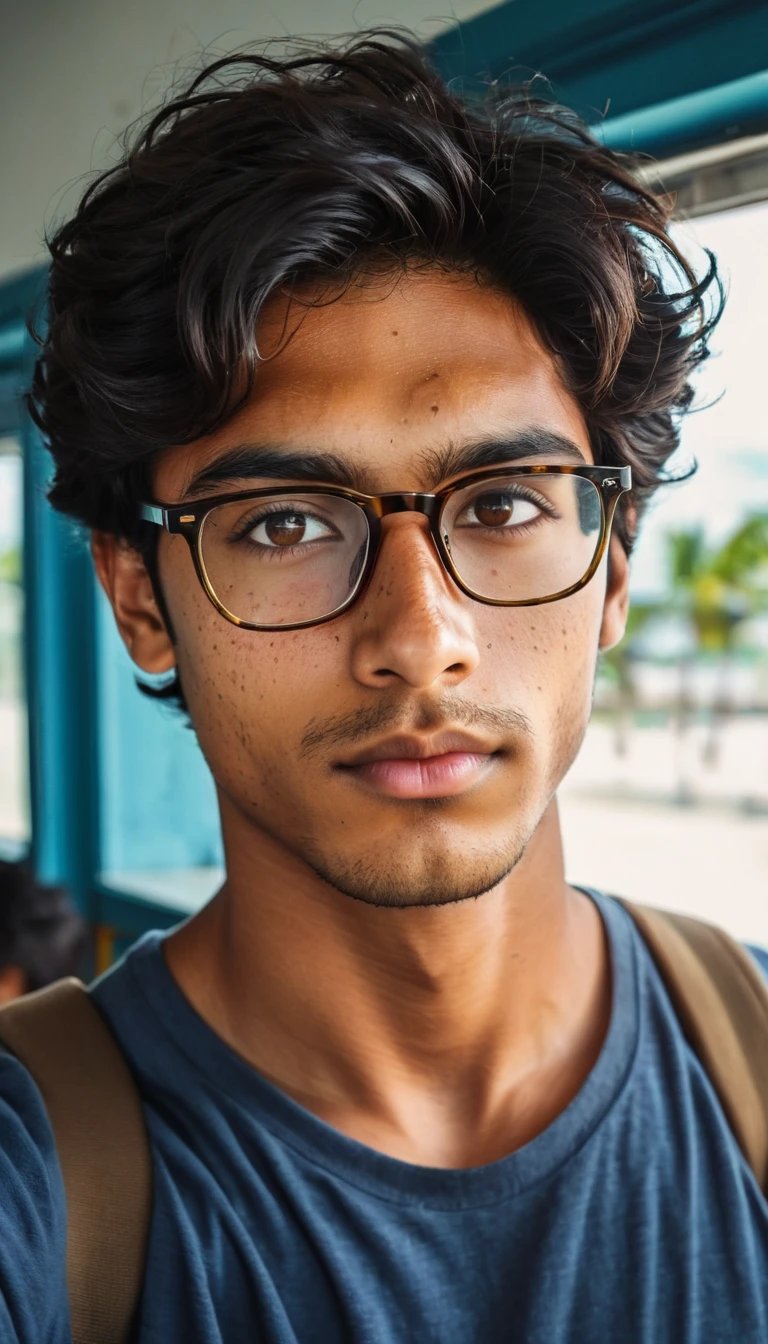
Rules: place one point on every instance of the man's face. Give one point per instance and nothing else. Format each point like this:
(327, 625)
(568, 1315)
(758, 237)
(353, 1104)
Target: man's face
(311, 733)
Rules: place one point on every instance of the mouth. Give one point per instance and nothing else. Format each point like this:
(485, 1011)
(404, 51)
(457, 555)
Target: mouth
(440, 766)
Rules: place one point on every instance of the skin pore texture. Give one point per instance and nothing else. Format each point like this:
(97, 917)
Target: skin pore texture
(415, 971)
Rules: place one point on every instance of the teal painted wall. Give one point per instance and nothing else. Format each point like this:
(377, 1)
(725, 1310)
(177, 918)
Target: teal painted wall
(157, 800)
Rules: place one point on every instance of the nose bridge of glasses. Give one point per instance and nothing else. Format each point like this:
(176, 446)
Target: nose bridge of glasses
(406, 502)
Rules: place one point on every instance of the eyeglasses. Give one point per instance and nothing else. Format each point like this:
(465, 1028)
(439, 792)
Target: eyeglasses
(282, 559)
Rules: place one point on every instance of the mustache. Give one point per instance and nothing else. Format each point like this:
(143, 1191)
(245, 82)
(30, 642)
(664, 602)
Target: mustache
(345, 730)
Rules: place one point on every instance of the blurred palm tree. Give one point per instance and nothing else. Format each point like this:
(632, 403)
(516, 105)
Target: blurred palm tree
(10, 566)
(712, 591)
(619, 663)
(715, 590)
(10, 621)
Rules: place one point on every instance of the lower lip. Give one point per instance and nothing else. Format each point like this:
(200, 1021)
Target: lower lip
(435, 777)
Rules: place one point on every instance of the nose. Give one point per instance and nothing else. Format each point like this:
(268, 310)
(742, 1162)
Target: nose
(413, 625)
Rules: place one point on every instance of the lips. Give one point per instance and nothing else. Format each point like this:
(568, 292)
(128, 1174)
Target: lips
(409, 747)
(440, 766)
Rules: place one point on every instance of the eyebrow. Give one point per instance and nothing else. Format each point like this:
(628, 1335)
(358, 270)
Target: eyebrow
(529, 444)
(247, 462)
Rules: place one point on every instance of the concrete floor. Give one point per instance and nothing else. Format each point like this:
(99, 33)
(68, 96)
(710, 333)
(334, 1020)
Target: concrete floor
(626, 831)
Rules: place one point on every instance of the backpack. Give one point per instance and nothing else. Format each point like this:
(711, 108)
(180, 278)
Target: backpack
(718, 993)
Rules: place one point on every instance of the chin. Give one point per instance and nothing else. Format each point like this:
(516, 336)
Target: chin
(436, 877)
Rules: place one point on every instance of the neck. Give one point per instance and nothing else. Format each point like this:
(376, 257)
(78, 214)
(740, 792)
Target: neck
(441, 1035)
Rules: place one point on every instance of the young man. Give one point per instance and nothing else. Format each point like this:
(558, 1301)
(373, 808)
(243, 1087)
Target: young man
(346, 377)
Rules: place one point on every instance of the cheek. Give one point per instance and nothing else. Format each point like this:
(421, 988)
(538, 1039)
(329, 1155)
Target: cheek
(227, 672)
(251, 693)
(542, 659)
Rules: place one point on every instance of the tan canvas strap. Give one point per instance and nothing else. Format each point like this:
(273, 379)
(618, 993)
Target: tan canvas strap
(721, 1000)
(103, 1149)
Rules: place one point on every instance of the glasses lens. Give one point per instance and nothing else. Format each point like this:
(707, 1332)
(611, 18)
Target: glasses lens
(284, 559)
(523, 538)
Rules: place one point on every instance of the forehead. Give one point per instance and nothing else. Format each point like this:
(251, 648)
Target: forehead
(390, 374)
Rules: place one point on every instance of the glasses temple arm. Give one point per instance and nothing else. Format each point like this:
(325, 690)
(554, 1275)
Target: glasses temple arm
(153, 513)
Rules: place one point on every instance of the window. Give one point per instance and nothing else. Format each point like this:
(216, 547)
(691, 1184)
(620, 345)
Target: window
(159, 839)
(14, 789)
(668, 800)
(123, 804)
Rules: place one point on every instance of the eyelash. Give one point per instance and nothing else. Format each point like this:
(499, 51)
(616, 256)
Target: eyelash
(262, 511)
(531, 497)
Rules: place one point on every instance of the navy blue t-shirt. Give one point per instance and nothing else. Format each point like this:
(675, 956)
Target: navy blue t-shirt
(632, 1219)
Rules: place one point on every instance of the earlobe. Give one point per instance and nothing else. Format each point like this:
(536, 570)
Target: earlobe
(13, 983)
(616, 607)
(123, 576)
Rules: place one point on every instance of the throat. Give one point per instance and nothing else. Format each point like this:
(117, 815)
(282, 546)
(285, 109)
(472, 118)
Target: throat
(450, 1047)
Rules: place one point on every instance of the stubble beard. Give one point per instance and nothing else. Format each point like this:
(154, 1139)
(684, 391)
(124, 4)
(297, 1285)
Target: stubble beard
(439, 877)
(425, 866)
(422, 871)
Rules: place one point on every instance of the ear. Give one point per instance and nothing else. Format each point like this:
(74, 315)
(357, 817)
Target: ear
(13, 983)
(124, 578)
(616, 606)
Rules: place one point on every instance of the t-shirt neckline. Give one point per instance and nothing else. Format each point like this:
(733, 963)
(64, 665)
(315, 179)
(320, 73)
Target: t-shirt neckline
(219, 1069)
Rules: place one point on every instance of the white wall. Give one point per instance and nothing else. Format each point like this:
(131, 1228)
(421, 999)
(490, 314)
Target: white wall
(73, 73)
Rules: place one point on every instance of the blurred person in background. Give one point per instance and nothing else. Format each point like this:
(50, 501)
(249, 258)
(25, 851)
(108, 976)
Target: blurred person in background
(42, 937)
(362, 389)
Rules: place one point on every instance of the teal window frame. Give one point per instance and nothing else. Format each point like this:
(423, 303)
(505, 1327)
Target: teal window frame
(659, 78)
(84, 708)
(58, 668)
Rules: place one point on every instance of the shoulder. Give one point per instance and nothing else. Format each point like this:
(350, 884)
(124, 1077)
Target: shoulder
(132, 998)
(33, 1292)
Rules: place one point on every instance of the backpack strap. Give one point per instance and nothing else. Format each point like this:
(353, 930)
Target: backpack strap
(721, 1000)
(98, 1124)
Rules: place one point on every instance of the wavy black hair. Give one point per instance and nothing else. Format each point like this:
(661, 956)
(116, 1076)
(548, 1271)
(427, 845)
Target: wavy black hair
(268, 174)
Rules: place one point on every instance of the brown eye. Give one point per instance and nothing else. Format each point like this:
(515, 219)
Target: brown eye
(285, 529)
(493, 510)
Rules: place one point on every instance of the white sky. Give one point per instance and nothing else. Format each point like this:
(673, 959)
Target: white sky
(10, 499)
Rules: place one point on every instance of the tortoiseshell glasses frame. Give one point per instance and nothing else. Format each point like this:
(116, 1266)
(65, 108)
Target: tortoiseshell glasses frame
(188, 520)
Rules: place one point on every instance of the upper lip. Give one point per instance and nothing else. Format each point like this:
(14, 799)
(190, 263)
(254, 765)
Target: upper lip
(414, 748)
